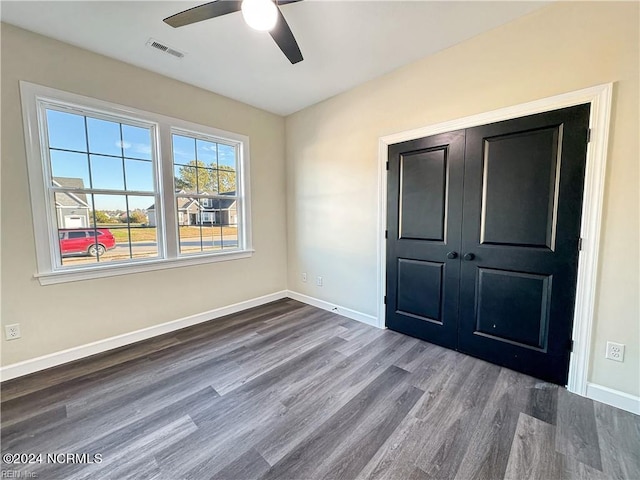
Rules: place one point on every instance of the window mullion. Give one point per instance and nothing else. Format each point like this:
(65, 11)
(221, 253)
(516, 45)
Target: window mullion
(243, 189)
(167, 213)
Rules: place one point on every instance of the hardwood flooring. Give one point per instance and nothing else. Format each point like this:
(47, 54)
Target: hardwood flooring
(288, 391)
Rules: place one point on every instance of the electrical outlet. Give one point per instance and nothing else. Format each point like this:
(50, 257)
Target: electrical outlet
(304, 277)
(615, 351)
(319, 281)
(12, 332)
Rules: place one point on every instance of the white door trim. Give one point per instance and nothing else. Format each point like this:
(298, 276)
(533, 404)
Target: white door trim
(599, 97)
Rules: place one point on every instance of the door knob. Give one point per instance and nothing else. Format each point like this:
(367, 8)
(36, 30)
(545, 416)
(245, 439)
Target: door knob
(452, 255)
(469, 256)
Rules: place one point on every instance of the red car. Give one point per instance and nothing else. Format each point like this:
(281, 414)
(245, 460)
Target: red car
(89, 241)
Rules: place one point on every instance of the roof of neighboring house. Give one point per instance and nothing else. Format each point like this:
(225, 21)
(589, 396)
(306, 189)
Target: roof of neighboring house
(184, 203)
(222, 204)
(65, 199)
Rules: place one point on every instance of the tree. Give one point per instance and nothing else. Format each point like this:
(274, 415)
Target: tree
(227, 179)
(205, 178)
(192, 179)
(138, 216)
(102, 217)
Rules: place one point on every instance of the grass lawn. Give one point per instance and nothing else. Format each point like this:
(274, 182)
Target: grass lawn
(148, 234)
(137, 234)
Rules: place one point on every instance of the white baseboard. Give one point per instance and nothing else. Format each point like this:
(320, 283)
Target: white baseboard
(76, 353)
(600, 393)
(615, 398)
(332, 307)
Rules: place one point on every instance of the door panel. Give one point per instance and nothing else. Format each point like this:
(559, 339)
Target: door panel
(513, 307)
(424, 224)
(522, 167)
(423, 191)
(415, 279)
(522, 211)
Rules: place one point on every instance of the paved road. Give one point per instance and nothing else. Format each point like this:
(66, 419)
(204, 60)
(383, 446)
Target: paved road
(190, 243)
(148, 249)
(122, 248)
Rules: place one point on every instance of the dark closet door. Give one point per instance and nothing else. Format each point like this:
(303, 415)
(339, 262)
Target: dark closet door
(483, 230)
(424, 206)
(522, 210)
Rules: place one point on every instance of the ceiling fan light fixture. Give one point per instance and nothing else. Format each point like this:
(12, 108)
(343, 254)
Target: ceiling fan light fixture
(260, 15)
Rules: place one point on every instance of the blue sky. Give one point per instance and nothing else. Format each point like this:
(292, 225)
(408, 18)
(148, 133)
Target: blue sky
(109, 145)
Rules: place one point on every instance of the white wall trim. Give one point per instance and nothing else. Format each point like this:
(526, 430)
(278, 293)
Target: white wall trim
(599, 97)
(76, 353)
(613, 397)
(33, 365)
(108, 270)
(332, 307)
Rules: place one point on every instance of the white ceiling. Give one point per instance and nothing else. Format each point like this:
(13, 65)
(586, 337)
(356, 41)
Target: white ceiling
(344, 43)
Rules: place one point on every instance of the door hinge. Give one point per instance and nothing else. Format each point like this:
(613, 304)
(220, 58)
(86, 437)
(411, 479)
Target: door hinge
(580, 244)
(387, 165)
(385, 299)
(588, 135)
(571, 345)
(386, 234)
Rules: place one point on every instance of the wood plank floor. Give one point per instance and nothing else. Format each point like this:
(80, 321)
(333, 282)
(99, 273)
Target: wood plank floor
(288, 391)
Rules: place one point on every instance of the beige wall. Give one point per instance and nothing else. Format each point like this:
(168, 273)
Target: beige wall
(61, 316)
(332, 155)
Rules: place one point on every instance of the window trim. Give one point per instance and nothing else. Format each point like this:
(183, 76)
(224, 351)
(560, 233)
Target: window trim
(33, 96)
(241, 179)
(42, 106)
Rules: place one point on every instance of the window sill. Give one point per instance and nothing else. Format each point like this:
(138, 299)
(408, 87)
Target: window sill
(65, 276)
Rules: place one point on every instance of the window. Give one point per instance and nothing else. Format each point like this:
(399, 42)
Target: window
(205, 177)
(102, 175)
(117, 190)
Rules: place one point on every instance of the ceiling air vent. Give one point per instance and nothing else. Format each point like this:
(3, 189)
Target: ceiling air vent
(164, 48)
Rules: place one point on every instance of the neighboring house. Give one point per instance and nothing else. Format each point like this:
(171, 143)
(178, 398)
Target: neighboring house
(207, 211)
(72, 209)
(218, 211)
(151, 215)
(188, 212)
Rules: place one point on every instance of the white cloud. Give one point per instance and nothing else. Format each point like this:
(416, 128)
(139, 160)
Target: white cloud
(142, 148)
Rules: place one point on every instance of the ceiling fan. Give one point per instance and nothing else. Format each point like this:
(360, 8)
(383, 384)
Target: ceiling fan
(264, 15)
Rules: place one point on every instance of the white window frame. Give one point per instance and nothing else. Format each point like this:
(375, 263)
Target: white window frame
(42, 106)
(35, 99)
(239, 197)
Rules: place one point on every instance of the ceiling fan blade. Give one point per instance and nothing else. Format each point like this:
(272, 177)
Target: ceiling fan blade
(286, 2)
(283, 36)
(203, 12)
